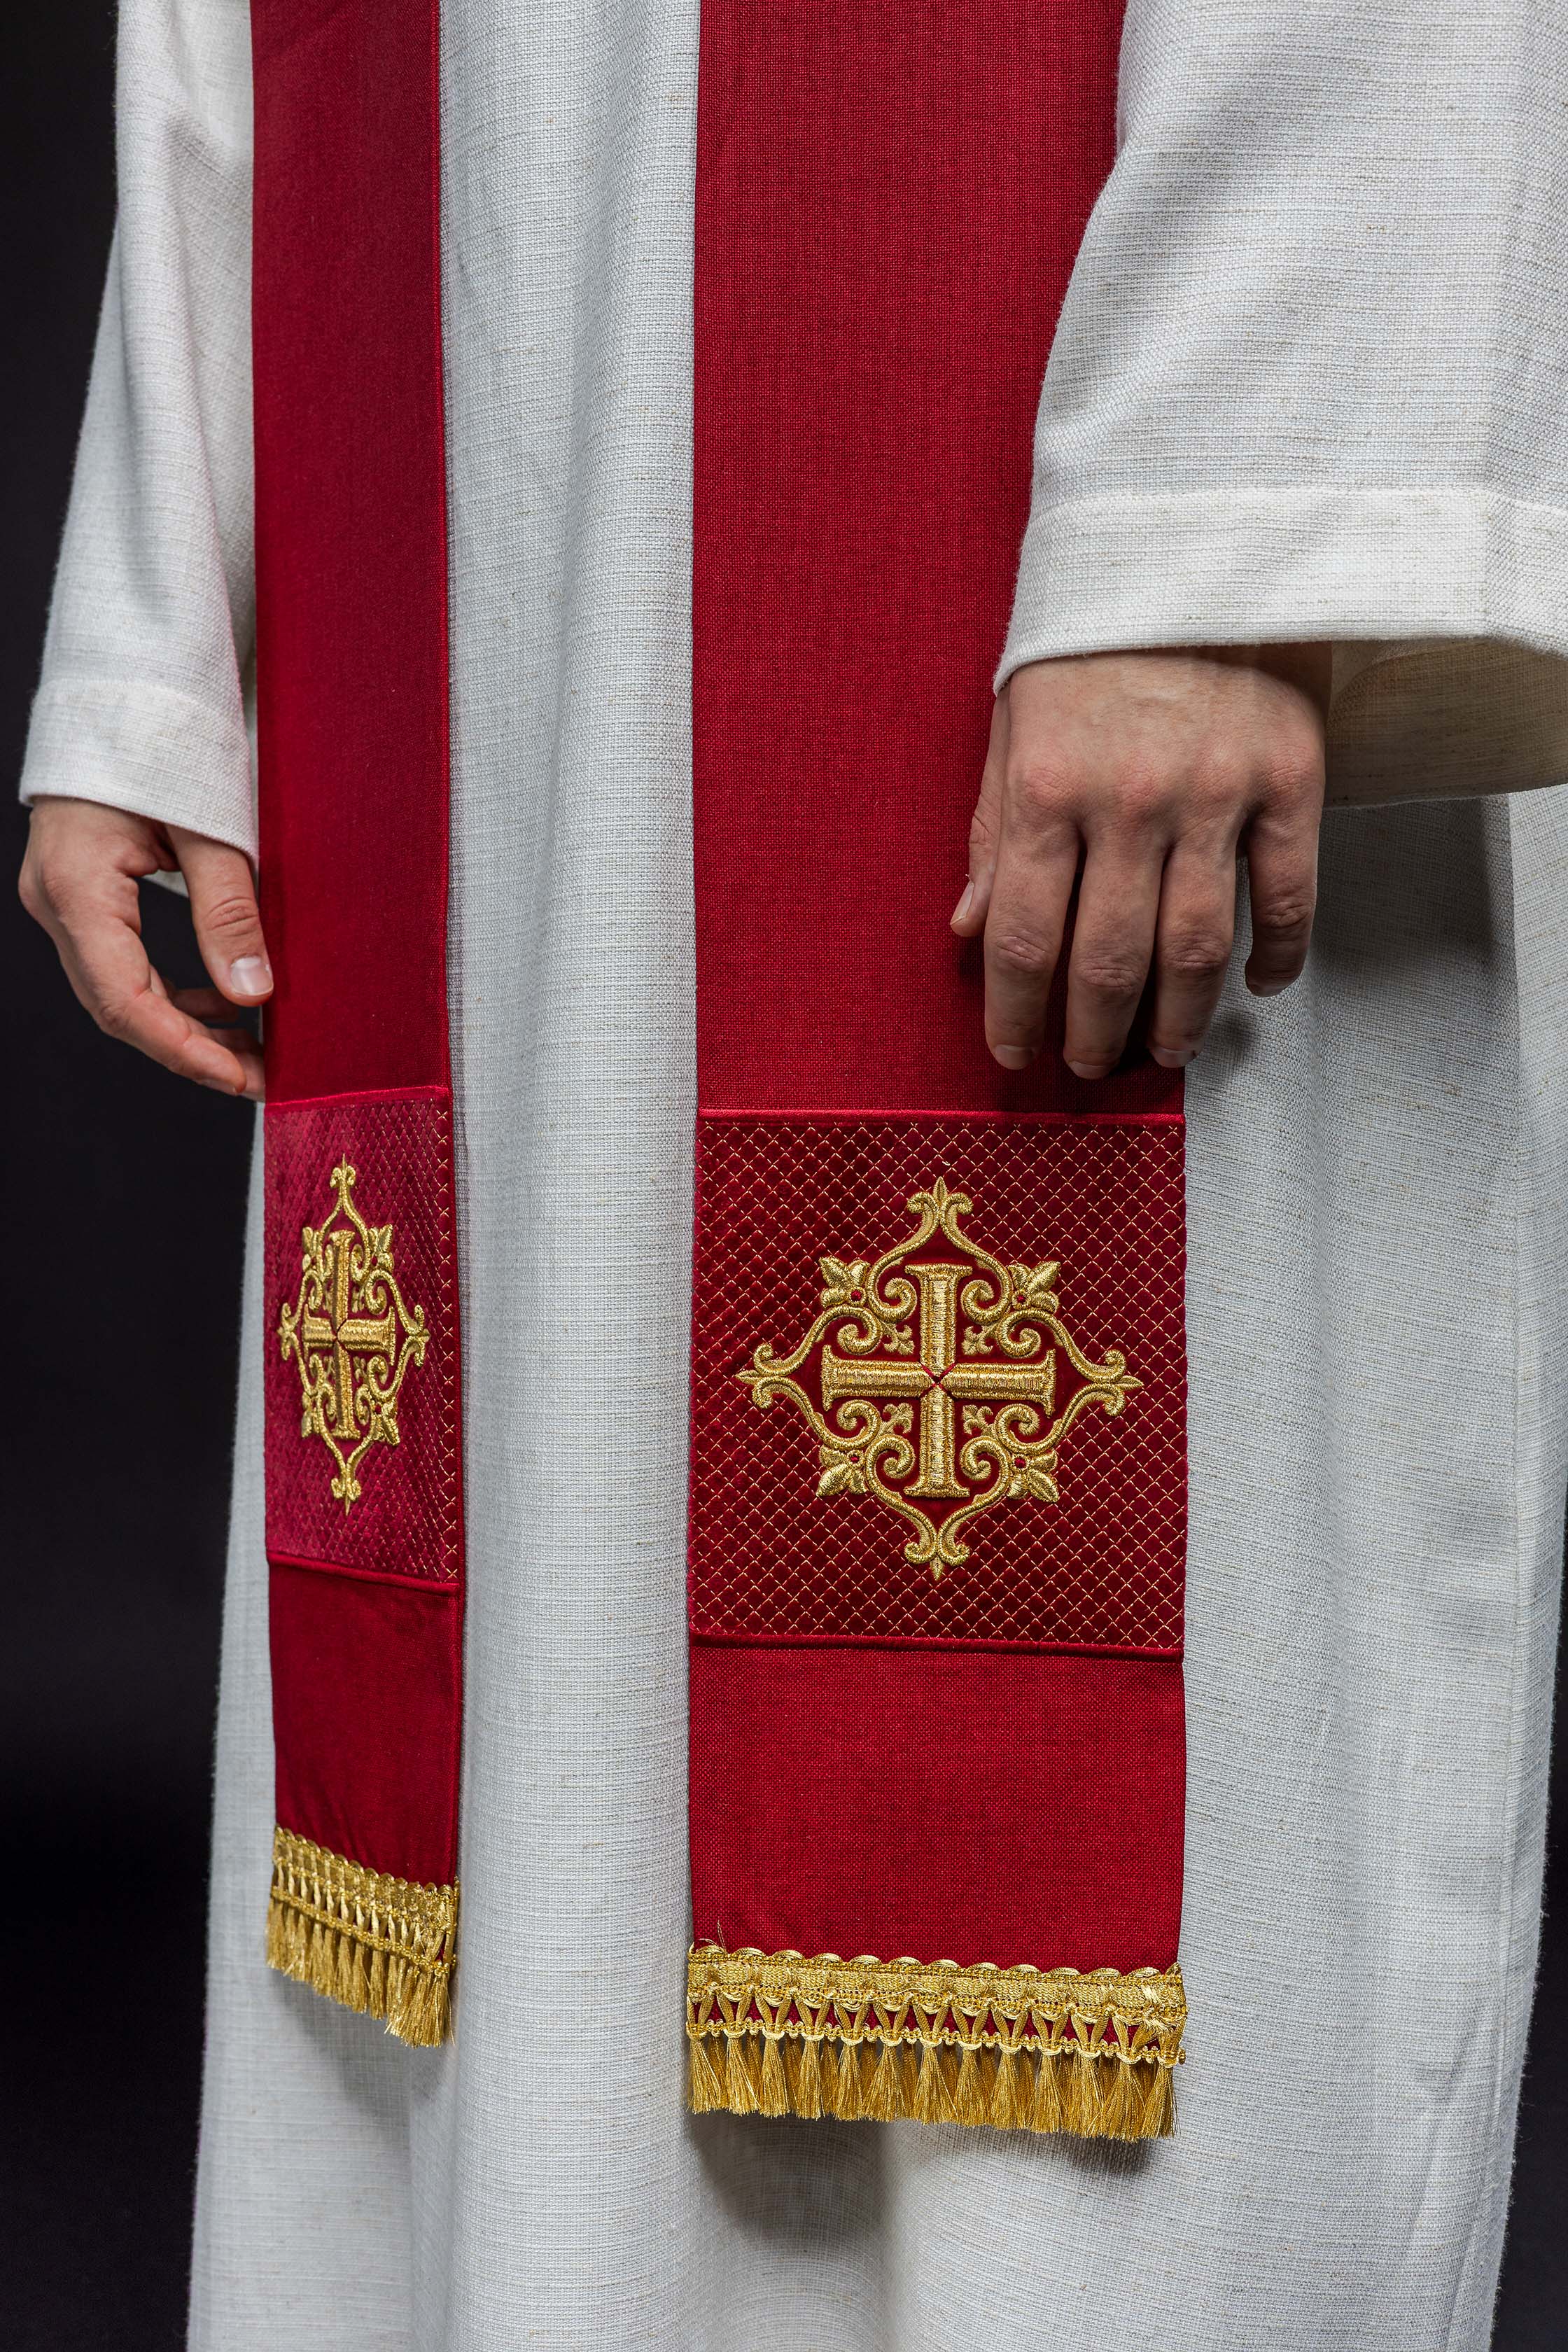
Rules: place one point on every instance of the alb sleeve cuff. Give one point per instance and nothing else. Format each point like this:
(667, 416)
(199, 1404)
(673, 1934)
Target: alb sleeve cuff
(1448, 611)
(146, 747)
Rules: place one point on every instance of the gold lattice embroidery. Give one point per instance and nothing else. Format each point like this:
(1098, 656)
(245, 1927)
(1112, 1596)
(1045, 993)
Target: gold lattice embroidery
(1021, 2049)
(352, 1336)
(943, 1400)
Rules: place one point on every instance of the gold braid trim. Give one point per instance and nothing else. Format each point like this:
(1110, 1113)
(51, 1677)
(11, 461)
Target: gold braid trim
(1021, 2049)
(382, 1945)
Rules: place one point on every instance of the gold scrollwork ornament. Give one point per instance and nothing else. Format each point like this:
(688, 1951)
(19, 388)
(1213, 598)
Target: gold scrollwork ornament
(352, 1335)
(962, 1345)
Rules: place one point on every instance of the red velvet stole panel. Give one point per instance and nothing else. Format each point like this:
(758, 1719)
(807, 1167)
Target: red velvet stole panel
(983, 1764)
(366, 1547)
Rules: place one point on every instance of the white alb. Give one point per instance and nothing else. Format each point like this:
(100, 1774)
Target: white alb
(1308, 382)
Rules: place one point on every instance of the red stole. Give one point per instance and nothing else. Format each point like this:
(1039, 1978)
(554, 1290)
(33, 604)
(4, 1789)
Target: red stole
(938, 1416)
(938, 1493)
(364, 1520)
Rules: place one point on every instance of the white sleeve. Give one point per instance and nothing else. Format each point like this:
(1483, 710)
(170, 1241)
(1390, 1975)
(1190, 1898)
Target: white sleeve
(139, 703)
(1311, 380)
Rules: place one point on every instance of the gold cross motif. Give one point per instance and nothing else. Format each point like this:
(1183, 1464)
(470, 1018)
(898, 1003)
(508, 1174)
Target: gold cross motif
(352, 1336)
(338, 1334)
(968, 1341)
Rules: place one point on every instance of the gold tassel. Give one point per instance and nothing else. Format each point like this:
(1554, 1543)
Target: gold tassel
(969, 2100)
(832, 2076)
(740, 2090)
(279, 1937)
(398, 1991)
(1045, 2113)
(1080, 2095)
(884, 2093)
(851, 2108)
(704, 2090)
(806, 2071)
(347, 1984)
(1118, 2102)
(932, 2102)
(772, 2089)
(1004, 2092)
(1157, 2116)
(422, 2014)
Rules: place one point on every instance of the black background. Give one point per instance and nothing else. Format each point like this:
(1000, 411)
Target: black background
(121, 1202)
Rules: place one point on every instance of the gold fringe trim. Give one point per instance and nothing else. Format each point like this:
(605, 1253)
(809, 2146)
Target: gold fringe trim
(1019, 2048)
(382, 1945)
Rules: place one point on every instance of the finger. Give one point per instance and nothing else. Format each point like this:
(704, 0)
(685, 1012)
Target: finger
(1194, 934)
(81, 882)
(224, 909)
(1113, 943)
(230, 1060)
(145, 1017)
(203, 1004)
(106, 966)
(1282, 883)
(1036, 868)
(246, 1051)
(215, 1016)
(986, 829)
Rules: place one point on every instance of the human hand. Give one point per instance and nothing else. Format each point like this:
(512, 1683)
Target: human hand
(79, 879)
(1151, 773)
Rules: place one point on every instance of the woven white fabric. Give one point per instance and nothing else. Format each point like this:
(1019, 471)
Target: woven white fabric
(150, 634)
(1307, 379)
(1377, 1290)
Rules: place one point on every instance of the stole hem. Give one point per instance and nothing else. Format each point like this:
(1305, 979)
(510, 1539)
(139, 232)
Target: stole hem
(381, 1945)
(1020, 2049)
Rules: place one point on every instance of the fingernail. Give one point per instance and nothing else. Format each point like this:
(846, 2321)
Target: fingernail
(964, 904)
(1172, 1058)
(250, 976)
(1265, 987)
(1013, 1058)
(1091, 1070)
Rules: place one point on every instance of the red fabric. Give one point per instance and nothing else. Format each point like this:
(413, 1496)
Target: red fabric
(367, 1684)
(1104, 1197)
(352, 688)
(408, 1519)
(350, 544)
(1011, 1806)
(888, 204)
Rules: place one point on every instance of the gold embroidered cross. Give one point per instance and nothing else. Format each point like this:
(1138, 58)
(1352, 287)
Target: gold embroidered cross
(973, 1341)
(340, 1333)
(939, 1380)
(343, 1332)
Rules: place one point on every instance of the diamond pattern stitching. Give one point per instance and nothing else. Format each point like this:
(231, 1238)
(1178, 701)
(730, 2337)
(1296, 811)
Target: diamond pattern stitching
(1102, 1566)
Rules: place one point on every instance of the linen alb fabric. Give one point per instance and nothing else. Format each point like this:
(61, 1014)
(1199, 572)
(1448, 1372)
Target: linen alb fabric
(1233, 416)
(1305, 383)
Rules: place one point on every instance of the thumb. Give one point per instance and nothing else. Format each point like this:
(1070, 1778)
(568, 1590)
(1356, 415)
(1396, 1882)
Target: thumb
(228, 919)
